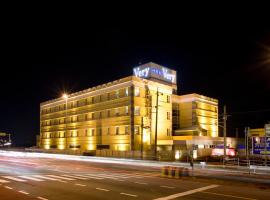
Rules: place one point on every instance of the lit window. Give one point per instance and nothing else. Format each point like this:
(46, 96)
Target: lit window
(126, 130)
(100, 131)
(126, 92)
(117, 130)
(137, 110)
(86, 132)
(126, 109)
(117, 111)
(93, 115)
(137, 130)
(108, 131)
(117, 93)
(108, 96)
(137, 91)
(108, 113)
(100, 114)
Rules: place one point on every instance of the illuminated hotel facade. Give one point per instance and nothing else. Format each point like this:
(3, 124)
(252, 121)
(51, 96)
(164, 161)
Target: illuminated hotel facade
(122, 115)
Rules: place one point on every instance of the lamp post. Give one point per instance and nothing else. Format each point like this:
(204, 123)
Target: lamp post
(65, 96)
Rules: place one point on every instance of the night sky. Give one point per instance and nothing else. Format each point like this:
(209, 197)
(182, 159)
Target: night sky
(225, 57)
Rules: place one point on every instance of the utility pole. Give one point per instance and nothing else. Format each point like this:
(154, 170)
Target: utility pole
(247, 147)
(265, 147)
(142, 138)
(224, 133)
(156, 127)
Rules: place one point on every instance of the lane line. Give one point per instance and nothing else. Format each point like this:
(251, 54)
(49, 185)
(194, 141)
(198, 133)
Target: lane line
(107, 176)
(165, 186)
(92, 177)
(131, 195)
(228, 195)
(42, 198)
(14, 179)
(23, 192)
(187, 192)
(80, 184)
(102, 189)
(60, 177)
(141, 183)
(49, 178)
(3, 181)
(10, 188)
(75, 177)
(30, 178)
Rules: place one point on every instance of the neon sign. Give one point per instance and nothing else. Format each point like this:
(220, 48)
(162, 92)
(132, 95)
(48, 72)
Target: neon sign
(156, 72)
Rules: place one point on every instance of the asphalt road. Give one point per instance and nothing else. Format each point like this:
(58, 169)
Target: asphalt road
(43, 178)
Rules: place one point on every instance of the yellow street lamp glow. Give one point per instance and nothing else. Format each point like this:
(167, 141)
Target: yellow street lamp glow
(65, 96)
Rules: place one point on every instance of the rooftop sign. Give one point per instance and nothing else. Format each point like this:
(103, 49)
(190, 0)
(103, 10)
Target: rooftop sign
(155, 71)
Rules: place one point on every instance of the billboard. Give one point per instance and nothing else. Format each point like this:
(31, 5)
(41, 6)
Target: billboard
(258, 145)
(156, 72)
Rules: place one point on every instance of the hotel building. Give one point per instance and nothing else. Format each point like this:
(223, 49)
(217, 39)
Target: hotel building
(127, 114)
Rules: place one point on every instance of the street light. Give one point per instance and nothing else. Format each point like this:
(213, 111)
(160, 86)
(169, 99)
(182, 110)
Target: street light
(65, 96)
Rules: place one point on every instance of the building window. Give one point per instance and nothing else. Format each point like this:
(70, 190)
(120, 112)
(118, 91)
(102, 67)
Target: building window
(100, 115)
(85, 132)
(74, 134)
(92, 132)
(92, 115)
(117, 94)
(168, 99)
(137, 130)
(137, 91)
(108, 96)
(168, 115)
(99, 131)
(100, 98)
(126, 110)
(126, 92)
(108, 113)
(108, 131)
(117, 130)
(168, 132)
(137, 110)
(126, 130)
(117, 111)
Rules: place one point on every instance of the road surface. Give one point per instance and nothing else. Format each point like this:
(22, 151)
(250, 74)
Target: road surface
(56, 179)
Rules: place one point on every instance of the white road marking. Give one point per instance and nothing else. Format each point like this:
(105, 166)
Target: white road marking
(49, 178)
(45, 177)
(80, 184)
(106, 176)
(23, 192)
(60, 177)
(10, 188)
(165, 186)
(227, 195)
(42, 198)
(3, 181)
(102, 189)
(30, 178)
(91, 177)
(131, 195)
(14, 179)
(74, 176)
(187, 193)
(141, 183)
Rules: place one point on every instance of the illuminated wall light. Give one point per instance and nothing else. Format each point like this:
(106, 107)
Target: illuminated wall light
(122, 147)
(177, 155)
(195, 155)
(46, 146)
(61, 146)
(90, 147)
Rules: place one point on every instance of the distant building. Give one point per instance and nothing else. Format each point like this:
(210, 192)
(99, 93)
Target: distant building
(121, 115)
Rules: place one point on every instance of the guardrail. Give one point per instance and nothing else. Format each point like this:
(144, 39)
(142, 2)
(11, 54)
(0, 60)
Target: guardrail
(174, 172)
